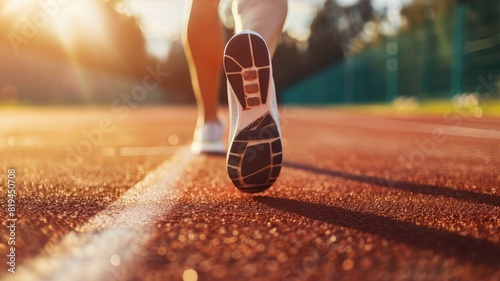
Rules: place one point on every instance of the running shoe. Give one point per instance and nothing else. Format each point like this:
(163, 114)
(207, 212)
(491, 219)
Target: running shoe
(208, 138)
(255, 153)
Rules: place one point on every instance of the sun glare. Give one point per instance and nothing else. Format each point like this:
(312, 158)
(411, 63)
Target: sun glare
(82, 19)
(68, 19)
(12, 6)
(72, 22)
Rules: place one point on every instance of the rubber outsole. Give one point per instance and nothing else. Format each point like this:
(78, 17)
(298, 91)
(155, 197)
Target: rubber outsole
(255, 156)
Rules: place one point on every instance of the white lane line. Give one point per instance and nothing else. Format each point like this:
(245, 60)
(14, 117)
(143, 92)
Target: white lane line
(140, 151)
(379, 123)
(104, 247)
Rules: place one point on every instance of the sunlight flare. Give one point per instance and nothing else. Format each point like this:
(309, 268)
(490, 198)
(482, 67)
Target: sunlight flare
(69, 20)
(83, 20)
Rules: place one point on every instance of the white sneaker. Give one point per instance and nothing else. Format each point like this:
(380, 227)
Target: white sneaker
(255, 155)
(208, 138)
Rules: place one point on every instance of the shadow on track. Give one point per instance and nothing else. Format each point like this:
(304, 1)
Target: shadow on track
(462, 195)
(442, 242)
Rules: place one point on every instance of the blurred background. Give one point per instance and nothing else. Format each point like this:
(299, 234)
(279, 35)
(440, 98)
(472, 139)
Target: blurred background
(80, 52)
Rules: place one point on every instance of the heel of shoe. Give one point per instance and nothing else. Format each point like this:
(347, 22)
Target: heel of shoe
(255, 156)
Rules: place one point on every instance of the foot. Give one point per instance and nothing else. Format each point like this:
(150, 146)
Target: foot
(208, 138)
(255, 155)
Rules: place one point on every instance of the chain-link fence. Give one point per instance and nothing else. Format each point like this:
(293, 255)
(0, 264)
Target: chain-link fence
(455, 53)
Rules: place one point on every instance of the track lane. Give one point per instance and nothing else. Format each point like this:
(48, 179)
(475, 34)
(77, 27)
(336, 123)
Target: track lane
(346, 206)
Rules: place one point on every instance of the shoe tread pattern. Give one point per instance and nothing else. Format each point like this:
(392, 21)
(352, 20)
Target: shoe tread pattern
(256, 156)
(247, 67)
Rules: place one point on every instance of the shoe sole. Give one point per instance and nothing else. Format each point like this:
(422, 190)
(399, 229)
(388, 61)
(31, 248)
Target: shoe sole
(255, 155)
